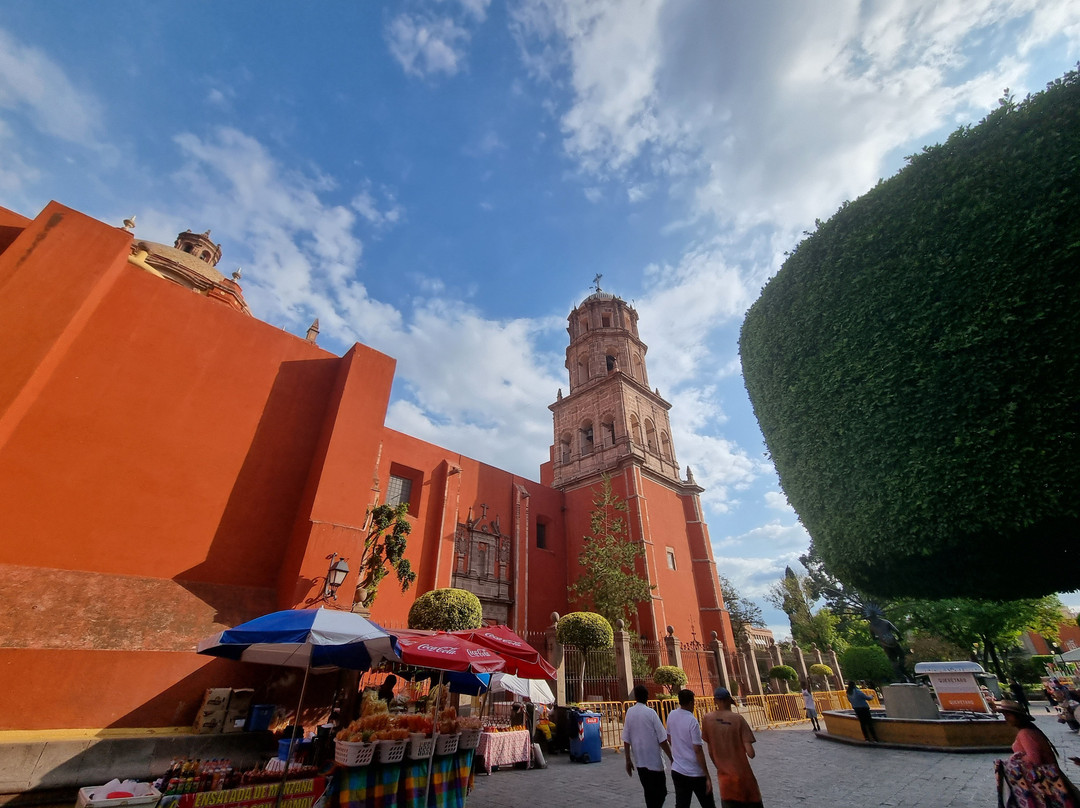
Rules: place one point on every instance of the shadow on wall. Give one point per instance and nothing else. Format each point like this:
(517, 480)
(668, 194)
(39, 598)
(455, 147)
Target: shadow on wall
(267, 494)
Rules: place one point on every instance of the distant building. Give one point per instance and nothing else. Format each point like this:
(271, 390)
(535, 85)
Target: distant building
(171, 465)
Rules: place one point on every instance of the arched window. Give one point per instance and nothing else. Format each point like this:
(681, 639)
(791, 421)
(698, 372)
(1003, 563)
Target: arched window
(187, 248)
(636, 365)
(586, 438)
(564, 447)
(612, 363)
(665, 446)
(205, 256)
(635, 429)
(650, 435)
(607, 430)
(582, 372)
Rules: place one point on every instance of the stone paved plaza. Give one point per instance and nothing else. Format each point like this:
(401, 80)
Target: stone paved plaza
(795, 770)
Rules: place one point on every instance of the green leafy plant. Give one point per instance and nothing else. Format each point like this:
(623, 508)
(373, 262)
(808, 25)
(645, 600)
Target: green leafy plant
(384, 550)
(820, 673)
(867, 664)
(784, 673)
(446, 610)
(610, 581)
(671, 677)
(907, 364)
(585, 631)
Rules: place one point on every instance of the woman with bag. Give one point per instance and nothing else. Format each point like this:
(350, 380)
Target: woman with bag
(1031, 777)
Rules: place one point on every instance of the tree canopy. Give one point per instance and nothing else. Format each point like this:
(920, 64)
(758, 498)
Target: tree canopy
(609, 581)
(743, 613)
(912, 365)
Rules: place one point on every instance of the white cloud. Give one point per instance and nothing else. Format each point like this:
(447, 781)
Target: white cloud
(778, 502)
(33, 85)
(594, 195)
(364, 203)
(426, 45)
(753, 576)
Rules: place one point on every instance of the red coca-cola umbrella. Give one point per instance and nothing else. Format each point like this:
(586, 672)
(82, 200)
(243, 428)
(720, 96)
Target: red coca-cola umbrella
(445, 652)
(522, 660)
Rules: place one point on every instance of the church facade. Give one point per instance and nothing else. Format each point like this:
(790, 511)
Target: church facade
(171, 465)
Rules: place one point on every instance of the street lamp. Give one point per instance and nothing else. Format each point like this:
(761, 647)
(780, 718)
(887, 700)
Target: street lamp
(335, 576)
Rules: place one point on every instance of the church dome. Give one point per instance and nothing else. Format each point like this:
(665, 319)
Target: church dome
(191, 262)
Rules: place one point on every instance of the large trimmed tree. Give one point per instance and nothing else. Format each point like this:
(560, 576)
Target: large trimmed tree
(914, 365)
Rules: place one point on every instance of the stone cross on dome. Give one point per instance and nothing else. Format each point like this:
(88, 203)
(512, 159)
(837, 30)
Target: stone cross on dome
(596, 281)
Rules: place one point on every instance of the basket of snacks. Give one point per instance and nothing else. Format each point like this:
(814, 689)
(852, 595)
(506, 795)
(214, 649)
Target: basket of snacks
(420, 746)
(353, 754)
(446, 744)
(392, 750)
(469, 733)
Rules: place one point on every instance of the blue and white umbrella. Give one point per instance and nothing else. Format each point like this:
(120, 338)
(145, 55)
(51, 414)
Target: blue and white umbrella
(315, 639)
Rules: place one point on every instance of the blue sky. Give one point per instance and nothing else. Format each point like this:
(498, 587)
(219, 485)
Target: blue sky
(442, 180)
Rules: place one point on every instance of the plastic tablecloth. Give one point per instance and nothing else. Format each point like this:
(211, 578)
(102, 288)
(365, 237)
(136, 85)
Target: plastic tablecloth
(505, 748)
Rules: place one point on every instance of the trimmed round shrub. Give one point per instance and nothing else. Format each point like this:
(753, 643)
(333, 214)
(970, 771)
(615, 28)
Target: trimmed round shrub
(784, 673)
(869, 664)
(446, 610)
(670, 676)
(820, 671)
(585, 630)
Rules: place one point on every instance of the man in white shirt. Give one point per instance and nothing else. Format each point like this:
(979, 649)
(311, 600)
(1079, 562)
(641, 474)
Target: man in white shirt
(689, 773)
(644, 736)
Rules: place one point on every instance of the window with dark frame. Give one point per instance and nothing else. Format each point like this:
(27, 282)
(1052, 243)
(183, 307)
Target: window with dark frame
(398, 490)
(541, 535)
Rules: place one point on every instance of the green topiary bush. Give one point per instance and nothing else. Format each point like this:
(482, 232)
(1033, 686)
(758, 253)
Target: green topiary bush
(867, 664)
(446, 610)
(671, 677)
(784, 673)
(908, 365)
(585, 630)
(820, 671)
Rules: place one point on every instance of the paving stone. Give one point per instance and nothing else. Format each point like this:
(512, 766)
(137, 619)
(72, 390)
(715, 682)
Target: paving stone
(795, 770)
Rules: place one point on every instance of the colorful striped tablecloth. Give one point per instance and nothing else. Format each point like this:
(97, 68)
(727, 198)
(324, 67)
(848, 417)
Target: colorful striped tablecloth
(402, 785)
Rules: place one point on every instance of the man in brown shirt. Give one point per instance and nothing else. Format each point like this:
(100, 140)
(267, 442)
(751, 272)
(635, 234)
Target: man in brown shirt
(731, 745)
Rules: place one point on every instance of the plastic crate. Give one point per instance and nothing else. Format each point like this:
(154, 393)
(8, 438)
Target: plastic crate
(446, 744)
(468, 739)
(392, 751)
(352, 754)
(420, 746)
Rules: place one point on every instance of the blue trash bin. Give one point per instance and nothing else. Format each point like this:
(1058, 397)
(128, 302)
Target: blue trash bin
(585, 736)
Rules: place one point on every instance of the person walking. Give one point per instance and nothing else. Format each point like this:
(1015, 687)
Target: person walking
(861, 705)
(1032, 777)
(689, 773)
(811, 707)
(731, 746)
(644, 737)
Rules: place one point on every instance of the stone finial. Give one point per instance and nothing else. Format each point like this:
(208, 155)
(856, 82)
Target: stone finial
(714, 637)
(313, 331)
(129, 223)
(671, 631)
(620, 624)
(560, 394)
(689, 475)
(238, 273)
(554, 618)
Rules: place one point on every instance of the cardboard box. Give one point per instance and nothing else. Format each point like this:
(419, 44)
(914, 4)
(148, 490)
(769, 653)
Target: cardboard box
(215, 706)
(239, 707)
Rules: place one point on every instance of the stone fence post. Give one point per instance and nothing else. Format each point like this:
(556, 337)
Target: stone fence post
(674, 648)
(838, 675)
(753, 674)
(800, 661)
(717, 649)
(555, 657)
(624, 669)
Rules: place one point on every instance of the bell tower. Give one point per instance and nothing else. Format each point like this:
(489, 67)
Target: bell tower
(610, 416)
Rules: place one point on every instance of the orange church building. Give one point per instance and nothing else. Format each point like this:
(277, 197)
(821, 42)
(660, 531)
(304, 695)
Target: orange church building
(171, 465)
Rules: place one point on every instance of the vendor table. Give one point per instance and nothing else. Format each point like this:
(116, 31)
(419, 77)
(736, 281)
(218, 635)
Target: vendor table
(401, 785)
(505, 748)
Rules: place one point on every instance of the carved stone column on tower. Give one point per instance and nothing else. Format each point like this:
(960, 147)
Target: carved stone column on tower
(624, 669)
(556, 658)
